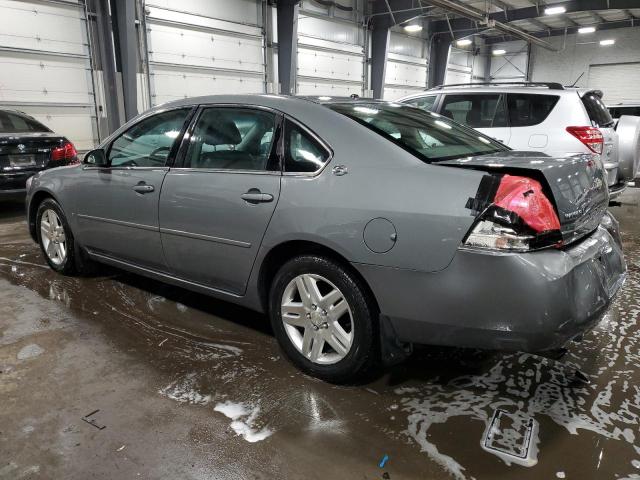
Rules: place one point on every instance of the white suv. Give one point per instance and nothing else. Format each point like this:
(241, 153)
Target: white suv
(546, 117)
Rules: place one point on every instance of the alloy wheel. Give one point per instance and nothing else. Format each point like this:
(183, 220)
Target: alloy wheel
(54, 241)
(317, 319)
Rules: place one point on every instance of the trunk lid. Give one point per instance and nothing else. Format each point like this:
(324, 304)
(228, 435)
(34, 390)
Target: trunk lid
(27, 151)
(577, 185)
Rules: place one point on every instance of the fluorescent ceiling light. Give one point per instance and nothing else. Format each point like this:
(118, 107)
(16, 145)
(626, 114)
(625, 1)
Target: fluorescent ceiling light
(413, 27)
(499, 51)
(554, 10)
(604, 43)
(464, 42)
(587, 30)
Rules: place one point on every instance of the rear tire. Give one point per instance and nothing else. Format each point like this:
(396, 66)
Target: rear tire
(323, 319)
(56, 240)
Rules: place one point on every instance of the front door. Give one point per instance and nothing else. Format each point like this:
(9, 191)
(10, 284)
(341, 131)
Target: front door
(117, 208)
(215, 208)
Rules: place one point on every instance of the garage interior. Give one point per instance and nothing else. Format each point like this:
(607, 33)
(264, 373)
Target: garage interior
(119, 376)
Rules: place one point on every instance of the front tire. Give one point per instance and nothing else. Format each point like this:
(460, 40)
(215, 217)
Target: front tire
(55, 238)
(323, 319)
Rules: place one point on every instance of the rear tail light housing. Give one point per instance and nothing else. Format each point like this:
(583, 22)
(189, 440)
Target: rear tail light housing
(65, 152)
(519, 218)
(591, 137)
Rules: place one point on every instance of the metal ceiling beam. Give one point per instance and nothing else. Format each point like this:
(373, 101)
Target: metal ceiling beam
(561, 31)
(534, 12)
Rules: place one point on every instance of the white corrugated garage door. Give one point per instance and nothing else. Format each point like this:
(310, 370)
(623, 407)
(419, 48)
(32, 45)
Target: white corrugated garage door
(406, 69)
(45, 67)
(330, 57)
(190, 52)
(618, 81)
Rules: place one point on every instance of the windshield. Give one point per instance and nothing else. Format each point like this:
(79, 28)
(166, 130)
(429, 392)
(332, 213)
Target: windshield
(427, 135)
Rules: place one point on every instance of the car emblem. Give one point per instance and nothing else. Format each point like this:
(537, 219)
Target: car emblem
(21, 147)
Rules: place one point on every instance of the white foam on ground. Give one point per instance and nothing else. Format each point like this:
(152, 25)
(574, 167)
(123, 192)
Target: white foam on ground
(183, 390)
(30, 351)
(244, 426)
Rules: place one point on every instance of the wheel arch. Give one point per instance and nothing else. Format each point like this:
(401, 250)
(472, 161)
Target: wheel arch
(36, 199)
(287, 250)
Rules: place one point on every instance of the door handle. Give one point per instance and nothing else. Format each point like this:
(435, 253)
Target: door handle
(256, 196)
(143, 188)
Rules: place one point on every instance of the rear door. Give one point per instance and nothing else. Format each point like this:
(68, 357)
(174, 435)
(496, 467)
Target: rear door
(486, 112)
(216, 206)
(117, 205)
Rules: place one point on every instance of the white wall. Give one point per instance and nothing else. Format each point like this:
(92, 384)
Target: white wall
(576, 56)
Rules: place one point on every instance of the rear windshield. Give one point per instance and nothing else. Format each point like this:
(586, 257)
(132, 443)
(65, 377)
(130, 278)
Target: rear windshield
(11, 122)
(427, 135)
(598, 113)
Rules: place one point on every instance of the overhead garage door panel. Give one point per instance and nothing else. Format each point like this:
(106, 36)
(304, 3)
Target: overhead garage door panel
(46, 71)
(618, 81)
(406, 69)
(190, 54)
(330, 57)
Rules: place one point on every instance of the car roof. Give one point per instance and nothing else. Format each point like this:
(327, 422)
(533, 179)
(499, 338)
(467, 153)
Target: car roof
(503, 88)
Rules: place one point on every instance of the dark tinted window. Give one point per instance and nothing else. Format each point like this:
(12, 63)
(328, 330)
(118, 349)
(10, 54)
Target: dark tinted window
(233, 139)
(617, 112)
(426, 103)
(149, 142)
(526, 109)
(14, 122)
(477, 111)
(598, 113)
(427, 135)
(302, 153)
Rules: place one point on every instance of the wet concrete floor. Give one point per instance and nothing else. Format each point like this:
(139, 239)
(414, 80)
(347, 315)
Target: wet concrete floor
(188, 387)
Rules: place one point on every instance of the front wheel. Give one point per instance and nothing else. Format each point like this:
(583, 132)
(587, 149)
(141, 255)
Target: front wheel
(323, 319)
(55, 238)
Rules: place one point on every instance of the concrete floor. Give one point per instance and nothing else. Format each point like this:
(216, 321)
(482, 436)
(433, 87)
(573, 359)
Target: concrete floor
(162, 366)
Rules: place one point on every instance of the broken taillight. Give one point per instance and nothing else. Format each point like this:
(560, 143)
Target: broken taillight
(519, 218)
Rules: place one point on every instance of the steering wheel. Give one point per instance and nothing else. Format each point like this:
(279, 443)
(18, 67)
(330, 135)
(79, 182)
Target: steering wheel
(158, 150)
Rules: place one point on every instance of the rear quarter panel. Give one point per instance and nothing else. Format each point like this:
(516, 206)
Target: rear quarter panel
(425, 203)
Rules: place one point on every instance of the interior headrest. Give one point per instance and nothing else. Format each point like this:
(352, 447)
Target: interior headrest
(221, 131)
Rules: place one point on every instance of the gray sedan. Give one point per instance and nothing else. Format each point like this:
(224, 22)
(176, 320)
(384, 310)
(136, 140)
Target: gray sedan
(360, 227)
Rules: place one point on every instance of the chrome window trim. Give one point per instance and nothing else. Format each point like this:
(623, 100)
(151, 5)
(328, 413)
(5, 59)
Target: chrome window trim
(273, 173)
(128, 168)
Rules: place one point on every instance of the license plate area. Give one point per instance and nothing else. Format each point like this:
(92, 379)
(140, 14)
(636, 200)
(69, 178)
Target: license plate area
(22, 161)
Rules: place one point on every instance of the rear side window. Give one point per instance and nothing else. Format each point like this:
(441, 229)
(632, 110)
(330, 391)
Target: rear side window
(526, 109)
(425, 103)
(227, 138)
(302, 153)
(598, 113)
(13, 123)
(477, 111)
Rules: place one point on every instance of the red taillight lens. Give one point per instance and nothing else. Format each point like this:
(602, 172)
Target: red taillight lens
(524, 196)
(64, 152)
(589, 136)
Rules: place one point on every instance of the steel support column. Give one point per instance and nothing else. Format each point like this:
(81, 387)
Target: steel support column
(124, 14)
(105, 47)
(379, 47)
(287, 44)
(438, 58)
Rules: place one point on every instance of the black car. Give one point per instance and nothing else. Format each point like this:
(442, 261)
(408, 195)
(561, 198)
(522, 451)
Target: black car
(27, 146)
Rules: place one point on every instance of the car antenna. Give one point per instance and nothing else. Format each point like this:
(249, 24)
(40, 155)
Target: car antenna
(577, 80)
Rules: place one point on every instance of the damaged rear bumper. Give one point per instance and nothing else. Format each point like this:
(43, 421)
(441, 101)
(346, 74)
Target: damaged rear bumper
(529, 302)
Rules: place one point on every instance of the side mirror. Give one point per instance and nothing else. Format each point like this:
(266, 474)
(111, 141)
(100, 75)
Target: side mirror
(95, 158)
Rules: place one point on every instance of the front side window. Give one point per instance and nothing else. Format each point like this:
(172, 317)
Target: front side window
(15, 123)
(527, 109)
(425, 103)
(233, 139)
(302, 153)
(477, 110)
(149, 142)
(427, 135)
